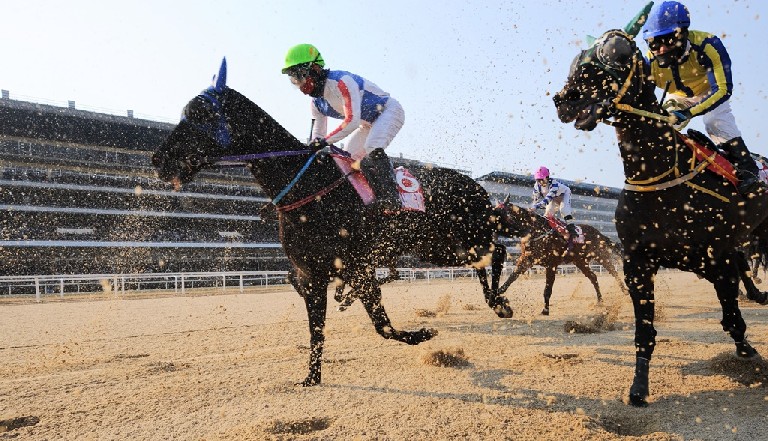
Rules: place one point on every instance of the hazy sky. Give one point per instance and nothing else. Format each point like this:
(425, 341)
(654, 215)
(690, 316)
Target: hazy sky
(475, 77)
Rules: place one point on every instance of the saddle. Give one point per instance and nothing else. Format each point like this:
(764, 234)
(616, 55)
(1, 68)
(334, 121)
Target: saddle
(409, 188)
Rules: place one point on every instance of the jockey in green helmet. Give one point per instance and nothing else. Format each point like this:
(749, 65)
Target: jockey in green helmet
(370, 118)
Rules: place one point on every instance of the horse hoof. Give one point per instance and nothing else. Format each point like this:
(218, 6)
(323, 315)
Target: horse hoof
(311, 380)
(503, 311)
(545, 311)
(420, 336)
(637, 400)
(745, 350)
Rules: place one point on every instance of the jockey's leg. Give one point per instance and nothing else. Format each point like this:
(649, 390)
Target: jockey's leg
(566, 212)
(722, 129)
(378, 169)
(746, 168)
(381, 174)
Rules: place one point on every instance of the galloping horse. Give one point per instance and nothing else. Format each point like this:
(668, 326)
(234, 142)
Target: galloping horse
(549, 249)
(673, 211)
(325, 229)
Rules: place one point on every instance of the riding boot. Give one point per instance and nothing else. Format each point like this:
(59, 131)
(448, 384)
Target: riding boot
(746, 168)
(572, 233)
(380, 174)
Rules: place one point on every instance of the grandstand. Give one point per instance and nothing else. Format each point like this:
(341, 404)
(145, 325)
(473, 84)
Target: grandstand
(78, 194)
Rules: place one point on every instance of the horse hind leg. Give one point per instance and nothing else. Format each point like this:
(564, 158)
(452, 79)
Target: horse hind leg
(727, 287)
(587, 271)
(753, 293)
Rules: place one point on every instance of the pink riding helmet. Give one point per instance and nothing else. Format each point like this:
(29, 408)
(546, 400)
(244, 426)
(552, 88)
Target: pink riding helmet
(541, 173)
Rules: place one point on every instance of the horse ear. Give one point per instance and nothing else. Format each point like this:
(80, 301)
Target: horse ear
(220, 79)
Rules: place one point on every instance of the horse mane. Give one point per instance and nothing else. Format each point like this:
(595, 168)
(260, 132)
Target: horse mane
(269, 131)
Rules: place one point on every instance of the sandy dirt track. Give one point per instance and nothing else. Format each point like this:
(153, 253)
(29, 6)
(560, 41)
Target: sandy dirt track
(222, 367)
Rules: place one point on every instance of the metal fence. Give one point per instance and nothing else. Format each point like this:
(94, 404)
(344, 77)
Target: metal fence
(61, 286)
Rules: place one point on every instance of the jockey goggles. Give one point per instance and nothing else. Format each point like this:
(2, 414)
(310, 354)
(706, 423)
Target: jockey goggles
(297, 74)
(669, 40)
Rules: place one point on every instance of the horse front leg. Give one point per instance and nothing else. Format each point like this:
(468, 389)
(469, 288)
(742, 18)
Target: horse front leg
(639, 274)
(314, 292)
(523, 264)
(550, 273)
(370, 297)
(727, 288)
(493, 298)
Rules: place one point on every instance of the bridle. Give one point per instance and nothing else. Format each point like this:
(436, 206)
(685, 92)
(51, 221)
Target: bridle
(220, 133)
(614, 106)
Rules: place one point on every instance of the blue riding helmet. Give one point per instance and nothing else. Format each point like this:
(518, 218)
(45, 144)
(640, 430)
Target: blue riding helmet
(665, 18)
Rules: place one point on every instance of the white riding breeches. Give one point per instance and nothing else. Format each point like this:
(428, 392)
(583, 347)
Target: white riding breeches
(369, 137)
(719, 122)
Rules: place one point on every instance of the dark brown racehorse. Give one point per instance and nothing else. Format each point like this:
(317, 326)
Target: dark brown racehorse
(546, 247)
(325, 229)
(673, 212)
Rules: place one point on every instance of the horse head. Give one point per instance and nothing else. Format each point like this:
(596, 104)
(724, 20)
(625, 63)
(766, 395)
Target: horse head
(216, 124)
(608, 73)
(202, 132)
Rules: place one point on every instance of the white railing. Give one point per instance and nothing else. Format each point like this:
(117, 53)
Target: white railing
(63, 285)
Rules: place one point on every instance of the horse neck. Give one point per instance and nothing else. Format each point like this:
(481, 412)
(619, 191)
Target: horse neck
(521, 220)
(255, 131)
(649, 148)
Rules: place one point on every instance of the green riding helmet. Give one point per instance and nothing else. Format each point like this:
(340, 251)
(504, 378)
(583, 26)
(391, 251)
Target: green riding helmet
(302, 54)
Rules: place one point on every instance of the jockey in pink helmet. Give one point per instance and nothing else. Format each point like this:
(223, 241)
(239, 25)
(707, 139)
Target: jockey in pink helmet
(553, 195)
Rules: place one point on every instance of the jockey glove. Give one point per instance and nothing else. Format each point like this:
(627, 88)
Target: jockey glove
(682, 115)
(318, 144)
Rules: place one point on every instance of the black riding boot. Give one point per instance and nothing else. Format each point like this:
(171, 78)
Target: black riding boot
(378, 169)
(746, 169)
(572, 233)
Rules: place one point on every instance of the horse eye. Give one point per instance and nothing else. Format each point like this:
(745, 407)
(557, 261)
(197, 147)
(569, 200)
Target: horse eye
(199, 109)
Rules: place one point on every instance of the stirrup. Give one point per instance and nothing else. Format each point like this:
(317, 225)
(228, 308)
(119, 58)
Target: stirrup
(748, 184)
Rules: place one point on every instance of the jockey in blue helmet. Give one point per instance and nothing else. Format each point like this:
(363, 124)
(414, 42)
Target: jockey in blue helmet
(696, 69)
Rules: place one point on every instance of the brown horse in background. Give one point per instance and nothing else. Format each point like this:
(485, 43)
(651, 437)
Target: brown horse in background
(541, 245)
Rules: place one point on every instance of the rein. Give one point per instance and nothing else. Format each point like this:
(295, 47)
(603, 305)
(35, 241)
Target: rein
(648, 185)
(242, 160)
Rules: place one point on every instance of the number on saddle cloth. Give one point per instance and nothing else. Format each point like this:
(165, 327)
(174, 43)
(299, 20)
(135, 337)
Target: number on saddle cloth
(409, 188)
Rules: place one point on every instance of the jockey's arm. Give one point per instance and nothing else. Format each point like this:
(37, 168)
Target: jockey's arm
(351, 98)
(719, 77)
(320, 128)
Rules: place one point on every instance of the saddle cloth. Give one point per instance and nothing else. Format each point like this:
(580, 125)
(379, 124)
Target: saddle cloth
(704, 149)
(409, 188)
(559, 226)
